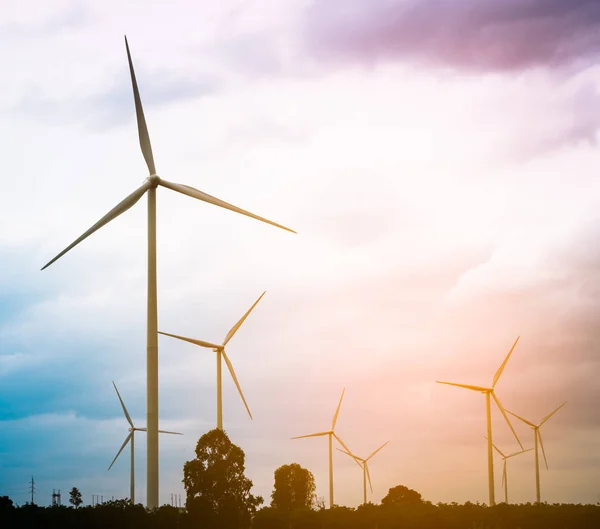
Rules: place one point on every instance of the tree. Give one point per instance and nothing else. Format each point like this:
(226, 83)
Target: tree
(217, 491)
(294, 488)
(401, 495)
(75, 497)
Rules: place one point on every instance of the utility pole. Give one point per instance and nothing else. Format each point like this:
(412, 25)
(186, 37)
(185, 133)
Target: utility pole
(32, 486)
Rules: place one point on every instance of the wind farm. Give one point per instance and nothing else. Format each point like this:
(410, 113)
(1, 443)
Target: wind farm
(438, 173)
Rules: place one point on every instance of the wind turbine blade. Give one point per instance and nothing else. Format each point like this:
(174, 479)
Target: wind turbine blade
(237, 384)
(195, 193)
(172, 433)
(235, 328)
(503, 473)
(341, 442)
(519, 453)
(141, 120)
(466, 386)
(496, 448)
(121, 449)
(120, 208)
(501, 368)
(356, 459)
(201, 343)
(373, 453)
(319, 434)
(337, 411)
(521, 418)
(369, 476)
(503, 412)
(127, 416)
(551, 414)
(542, 445)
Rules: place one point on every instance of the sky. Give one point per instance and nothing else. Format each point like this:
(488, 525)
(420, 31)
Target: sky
(439, 161)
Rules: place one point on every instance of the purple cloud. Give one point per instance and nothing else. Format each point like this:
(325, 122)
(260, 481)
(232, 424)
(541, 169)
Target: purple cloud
(468, 35)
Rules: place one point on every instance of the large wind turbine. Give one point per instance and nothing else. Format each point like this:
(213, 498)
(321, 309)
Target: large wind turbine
(489, 392)
(331, 434)
(221, 354)
(504, 473)
(363, 463)
(131, 437)
(149, 186)
(537, 435)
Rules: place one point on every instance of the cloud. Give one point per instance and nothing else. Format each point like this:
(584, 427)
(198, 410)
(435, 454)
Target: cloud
(468, 35)
(114, 106)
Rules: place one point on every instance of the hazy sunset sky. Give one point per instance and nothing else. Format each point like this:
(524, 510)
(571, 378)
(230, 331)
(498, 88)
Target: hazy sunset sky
(439, 161)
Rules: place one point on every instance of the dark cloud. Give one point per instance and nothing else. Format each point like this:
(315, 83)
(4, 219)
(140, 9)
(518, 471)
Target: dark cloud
(114, 106)
(470, 35)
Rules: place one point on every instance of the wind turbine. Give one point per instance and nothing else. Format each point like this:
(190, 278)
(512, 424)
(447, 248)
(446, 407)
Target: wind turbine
(131, 437)
(489, 392)
(363, 463)
(537, 435)
(504, 474)
(149, 186)
(221, 354)
(331, 434)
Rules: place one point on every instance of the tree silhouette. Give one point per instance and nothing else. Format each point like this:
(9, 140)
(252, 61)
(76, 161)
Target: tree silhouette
(75, 497)
(401, 495)
(294, 488)
(217, 491)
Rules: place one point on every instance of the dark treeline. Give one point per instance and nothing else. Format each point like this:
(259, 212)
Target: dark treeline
(120, 514)
(218, 497)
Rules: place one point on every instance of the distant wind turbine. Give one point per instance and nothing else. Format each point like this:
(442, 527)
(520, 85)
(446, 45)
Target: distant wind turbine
(504, 473)
(221, 354)
(489, 392)
(149, 186)
(537, 436)
(331, 434)
(363, 463)
(131, 437)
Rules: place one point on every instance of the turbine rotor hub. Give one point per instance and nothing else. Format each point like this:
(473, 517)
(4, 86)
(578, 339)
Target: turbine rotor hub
(154, 179)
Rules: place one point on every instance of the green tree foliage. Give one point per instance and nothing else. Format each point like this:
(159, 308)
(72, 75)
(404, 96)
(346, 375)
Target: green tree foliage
(75, 497)
(401, 495)
(294, 488)
(217, 491)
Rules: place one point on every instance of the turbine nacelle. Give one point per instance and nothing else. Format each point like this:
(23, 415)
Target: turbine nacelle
(153, 180)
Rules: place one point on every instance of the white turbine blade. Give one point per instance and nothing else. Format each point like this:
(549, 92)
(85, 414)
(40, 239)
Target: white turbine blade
(501, 368)
(141, 120)
(120, 208)
(356, 459)
(337, 411)
(319, 434)
(201, 343)
(373, 453)
(503, 412)
(466, 386)
(141, 429)
(237, 384)
(341, 442)
(503, 473)
(521, 418)
(542, 445)
(172, 433)
(127, 416)
(551, 414)
(121, 449)
(195, 193)
(369, 476)
(235, 328)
